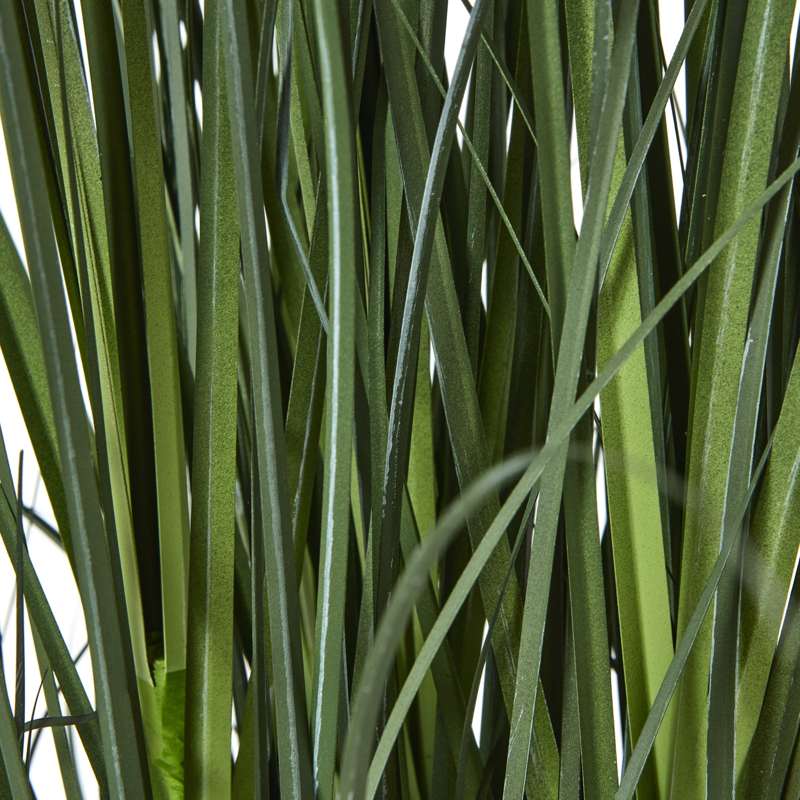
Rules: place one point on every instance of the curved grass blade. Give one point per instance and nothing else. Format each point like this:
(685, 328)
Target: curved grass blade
(455, 714)
(339, 162)
(382, 652)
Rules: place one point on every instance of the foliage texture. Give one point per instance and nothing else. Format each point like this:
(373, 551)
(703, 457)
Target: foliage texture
(413, 428)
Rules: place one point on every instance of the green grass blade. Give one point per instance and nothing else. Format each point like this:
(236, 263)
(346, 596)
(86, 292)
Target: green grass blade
(181, 134)
(566, 380)
(631, 472)
(64, 751)
(756, 647)
(307, 394)
(209, 635)
(683, 651)
(45, 628)
(480, 133)
(19, 616)
(770, 554)
(339, 163)
(544, 39)
(119, 719)
(270, 444)
(769, 756)
(160, 327)
(569, 784)
(84, 196)
(587, 606)
(297, 65)
(13, 765)
(504, 293)
(39, 56)
(412, 582)
(719, 350)
(401, 406)
(22, 351)
(636, 159)
(109, 105)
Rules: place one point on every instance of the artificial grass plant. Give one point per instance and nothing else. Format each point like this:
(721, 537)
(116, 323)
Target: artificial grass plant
(376, 472)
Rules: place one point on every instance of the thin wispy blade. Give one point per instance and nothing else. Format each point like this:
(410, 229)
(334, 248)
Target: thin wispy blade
(19, 694)
(342, 233)
(282, 158)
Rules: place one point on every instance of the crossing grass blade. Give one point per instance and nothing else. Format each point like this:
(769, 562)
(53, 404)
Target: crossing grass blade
(568, 363)
(331, 596)
(447, 529)
(22, 348)
(757, 645)
(682, 653)
(14, 769)
(270, 444)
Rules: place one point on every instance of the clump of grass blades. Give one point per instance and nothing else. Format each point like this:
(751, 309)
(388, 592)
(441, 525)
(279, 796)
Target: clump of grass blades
(357, 446)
